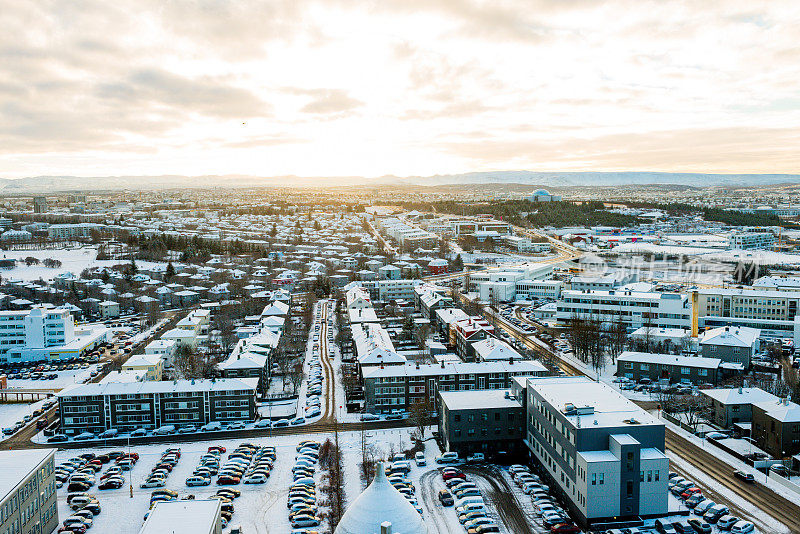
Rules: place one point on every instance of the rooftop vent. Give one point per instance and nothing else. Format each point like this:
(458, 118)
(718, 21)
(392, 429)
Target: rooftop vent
(631, 421)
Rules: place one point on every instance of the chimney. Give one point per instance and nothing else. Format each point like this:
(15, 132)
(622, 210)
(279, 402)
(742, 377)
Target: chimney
(442, 364)
(386, 527)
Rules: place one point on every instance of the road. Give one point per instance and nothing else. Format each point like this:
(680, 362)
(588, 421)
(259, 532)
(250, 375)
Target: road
(440, 519)
(499, 495)
(329, 415)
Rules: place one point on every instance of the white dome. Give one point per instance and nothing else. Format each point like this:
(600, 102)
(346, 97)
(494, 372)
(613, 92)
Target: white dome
(379, 503)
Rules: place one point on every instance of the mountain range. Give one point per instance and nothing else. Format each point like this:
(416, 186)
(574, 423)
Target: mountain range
(45, 184)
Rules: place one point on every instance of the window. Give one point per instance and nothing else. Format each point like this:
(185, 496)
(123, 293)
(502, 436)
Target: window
(602, 477)
(594, 479)
(629, 488)
(656, 475)
(457, 418)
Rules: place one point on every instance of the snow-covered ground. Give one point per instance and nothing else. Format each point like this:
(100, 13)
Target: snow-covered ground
(10, 413)
(72, 260)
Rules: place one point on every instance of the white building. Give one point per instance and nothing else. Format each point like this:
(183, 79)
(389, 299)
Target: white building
(539, 289)
(634, 308)
(197, 516)
(751, 240)
(45, 334)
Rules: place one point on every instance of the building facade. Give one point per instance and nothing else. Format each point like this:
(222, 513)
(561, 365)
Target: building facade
(604, 454)
(491, 422)
(28, 505)
(666, 367)
(127, 406)
(397, 388)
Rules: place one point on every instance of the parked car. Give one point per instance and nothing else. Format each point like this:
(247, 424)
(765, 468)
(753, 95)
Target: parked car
(699, 525)
(446, 498)
(742, 527)
(747, 477)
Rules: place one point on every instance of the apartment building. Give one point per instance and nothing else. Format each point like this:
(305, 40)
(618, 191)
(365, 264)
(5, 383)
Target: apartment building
(603, 453)
(399, 387)
(127, 406)
(776, 427)
(387, 290)
(667, 367)
(45, 334)
(735, 405)
(634, 308)
(28, 493)
(771, 311)
(491, 422)
(731, 344)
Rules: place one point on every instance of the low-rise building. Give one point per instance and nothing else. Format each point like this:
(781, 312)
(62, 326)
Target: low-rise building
(151, 364)
(735, 405)
(776, 427)
(667, 367)
(491, 422)
(736, 344)
(127, 406)
(196, 516)
(397, 388)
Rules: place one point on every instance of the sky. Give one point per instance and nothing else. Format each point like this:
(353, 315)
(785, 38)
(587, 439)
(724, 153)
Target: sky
(397, 87)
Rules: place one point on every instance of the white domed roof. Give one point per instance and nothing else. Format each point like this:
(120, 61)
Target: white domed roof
(541, 192)
(378, 503)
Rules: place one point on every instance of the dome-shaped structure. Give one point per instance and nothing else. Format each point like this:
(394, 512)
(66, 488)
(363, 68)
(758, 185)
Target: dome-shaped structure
(542, 193)
(380, 503)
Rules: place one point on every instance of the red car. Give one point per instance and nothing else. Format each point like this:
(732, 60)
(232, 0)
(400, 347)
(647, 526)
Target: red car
(219, 448)
(73, 529)
(227, 480)
(447, 475)
(690, 491)
(565, 528)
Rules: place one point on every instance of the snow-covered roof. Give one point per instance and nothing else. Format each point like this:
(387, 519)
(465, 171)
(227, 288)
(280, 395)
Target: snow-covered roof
(494, 349)
(162, 387)
(479, 400)
(739, 395)
(730, 336)
(197, 516)
(377, 504)
(781, 410)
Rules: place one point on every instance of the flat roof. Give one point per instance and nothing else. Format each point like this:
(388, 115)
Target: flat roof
(611, 409)
(456, 368)
(479, 399)
(164, 386)
(17, 465)
(196, 516)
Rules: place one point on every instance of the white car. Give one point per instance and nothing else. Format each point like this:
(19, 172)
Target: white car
(198, 481)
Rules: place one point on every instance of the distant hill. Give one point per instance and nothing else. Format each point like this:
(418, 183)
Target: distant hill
(44, 184)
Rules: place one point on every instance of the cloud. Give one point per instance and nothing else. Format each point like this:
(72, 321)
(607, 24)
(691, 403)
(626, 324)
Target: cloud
(206, 95)
(329, 101)
(330, 87)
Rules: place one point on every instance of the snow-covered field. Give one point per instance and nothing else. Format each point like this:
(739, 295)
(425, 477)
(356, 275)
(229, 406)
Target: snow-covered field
(72, 260)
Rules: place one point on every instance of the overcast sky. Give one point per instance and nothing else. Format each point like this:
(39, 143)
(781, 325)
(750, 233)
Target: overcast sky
(404, 87)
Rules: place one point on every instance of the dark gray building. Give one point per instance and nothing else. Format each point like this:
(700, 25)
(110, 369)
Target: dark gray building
(675, 369)
(485, 421)
(127, 406)
(604, 454)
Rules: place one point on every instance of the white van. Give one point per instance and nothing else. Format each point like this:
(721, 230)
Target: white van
(164, 430)
(447, 458)
(419, 458)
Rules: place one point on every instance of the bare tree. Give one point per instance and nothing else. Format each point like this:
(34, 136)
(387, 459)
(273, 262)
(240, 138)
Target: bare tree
(296, 376)
(421, 415)
(695, 409)
(189, 363)
(618, 337)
